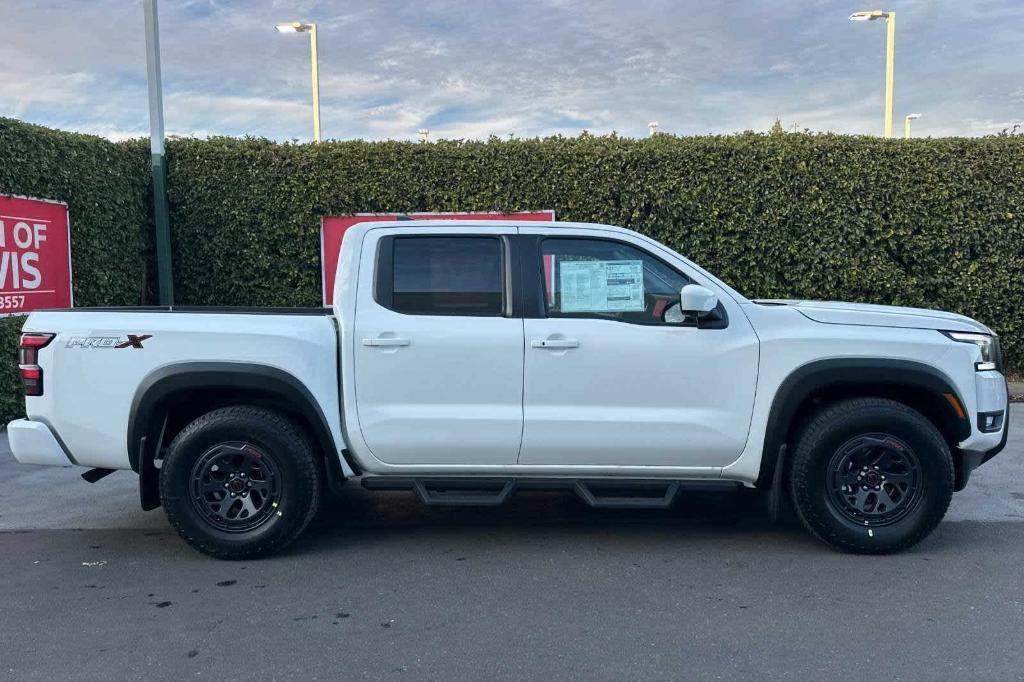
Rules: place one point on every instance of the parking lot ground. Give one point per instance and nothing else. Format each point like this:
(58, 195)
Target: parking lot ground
(381, 587)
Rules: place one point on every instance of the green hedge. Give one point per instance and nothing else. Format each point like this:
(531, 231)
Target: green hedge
(106, 187)
(930, 222)
(927, 222)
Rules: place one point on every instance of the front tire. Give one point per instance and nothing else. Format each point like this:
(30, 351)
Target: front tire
(871, 476)
(240, 482)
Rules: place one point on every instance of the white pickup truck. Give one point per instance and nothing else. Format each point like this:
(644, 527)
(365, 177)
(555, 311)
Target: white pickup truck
(469, 361)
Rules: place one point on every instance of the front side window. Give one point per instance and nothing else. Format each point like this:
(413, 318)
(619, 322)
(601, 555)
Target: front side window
(607, 279)
(447, 276)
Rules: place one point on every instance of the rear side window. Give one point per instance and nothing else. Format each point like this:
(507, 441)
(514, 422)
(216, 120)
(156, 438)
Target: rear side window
(446, 276)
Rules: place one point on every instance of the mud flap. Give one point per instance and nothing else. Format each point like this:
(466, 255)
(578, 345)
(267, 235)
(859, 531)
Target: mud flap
(776, 493)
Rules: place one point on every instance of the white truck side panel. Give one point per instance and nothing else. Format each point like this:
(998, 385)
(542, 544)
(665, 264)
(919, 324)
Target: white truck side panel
(88, 392)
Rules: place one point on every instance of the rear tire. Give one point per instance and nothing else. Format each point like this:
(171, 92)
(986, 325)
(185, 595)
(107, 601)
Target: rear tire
(240, 482)
(871, 476)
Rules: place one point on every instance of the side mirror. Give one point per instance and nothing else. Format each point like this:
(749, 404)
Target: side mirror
(697, 300)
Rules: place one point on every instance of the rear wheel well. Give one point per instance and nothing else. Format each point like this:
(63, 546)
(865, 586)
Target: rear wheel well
(183, 408)
(179, 409)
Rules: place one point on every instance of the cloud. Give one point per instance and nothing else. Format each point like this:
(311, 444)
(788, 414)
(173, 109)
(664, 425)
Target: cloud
(59, 89)
(528, 67)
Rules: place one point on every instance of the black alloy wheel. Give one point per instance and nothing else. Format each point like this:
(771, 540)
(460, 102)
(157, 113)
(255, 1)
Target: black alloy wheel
(235, 486)
(874, 479)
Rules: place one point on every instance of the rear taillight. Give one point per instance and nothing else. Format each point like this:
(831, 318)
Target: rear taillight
(28, 361)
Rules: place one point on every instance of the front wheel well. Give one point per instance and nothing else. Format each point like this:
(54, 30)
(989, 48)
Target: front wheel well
(935, 407)
(816, 385)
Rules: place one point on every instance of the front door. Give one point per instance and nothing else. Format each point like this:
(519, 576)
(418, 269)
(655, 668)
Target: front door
(613, 376)
(438, 355)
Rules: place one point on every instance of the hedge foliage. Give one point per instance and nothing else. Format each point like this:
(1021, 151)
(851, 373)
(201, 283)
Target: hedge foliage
(106, 187)
(927, 222)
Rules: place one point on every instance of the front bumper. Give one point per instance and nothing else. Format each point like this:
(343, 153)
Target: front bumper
(993, 396)
(34, 443)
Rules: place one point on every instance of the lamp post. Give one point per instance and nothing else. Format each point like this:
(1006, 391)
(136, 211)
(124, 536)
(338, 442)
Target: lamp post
(299, 27)
(890, 51)
(161, 210)
(906, 124)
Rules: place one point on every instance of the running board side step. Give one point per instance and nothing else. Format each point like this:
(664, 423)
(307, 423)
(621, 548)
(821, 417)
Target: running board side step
(493, 492)
(457, 496)
(610, 495)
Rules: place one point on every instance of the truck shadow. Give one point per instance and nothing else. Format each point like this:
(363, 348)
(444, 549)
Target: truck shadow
(356, 513)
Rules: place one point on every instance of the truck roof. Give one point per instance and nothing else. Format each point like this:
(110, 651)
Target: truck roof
(371, 224)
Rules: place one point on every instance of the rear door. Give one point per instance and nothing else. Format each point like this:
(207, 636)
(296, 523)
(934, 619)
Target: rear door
(438, 354)
(614, 375)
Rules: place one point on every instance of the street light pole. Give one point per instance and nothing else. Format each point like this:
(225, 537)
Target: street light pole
(314, 71)
(299, 27)
(890, 57)
(161, 210)
(906, 124)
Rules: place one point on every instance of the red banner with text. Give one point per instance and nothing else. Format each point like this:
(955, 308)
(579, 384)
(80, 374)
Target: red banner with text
(333, 228)
(35, 255)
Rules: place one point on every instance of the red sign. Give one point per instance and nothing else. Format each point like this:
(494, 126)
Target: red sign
(35, 255)
(333, 228)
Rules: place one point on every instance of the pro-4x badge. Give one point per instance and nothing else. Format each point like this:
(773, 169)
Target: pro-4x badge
(125, 341)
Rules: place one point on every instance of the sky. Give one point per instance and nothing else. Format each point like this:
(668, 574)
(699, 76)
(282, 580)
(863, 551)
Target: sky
(472, 69)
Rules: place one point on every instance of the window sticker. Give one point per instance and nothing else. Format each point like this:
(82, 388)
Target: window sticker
(601, 286)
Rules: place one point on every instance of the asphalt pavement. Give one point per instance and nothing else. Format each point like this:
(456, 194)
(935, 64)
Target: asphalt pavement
(544, 588)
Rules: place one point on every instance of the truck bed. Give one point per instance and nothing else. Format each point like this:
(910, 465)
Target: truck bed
(101, 359)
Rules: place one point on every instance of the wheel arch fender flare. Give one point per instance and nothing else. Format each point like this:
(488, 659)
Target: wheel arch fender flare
(163, 383)
(820, 375)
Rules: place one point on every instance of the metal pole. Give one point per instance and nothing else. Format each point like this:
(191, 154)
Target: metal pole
(316, 83)
(890, 55)
(161, 210)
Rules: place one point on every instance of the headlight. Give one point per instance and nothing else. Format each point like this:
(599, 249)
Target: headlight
(991, 358)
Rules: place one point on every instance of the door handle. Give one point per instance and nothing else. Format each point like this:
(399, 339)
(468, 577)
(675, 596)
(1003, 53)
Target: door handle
(554, 343)
(386, 342)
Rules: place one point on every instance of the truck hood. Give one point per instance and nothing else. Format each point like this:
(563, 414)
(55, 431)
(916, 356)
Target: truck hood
(834, 312)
